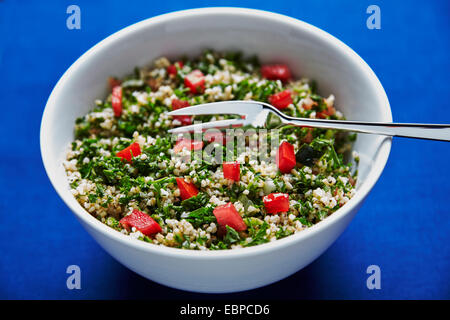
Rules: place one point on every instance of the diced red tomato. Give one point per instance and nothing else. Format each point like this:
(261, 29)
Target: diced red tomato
(116, 100)
(188, 144)
(195, 81)
(133, 150)
(187, 189)
(286, 157)
(142, 222)
(328, 112)
(172, 69)
(214, 136)
(281, 99)
(179, 104)
(276, 202)
(276, 72)
(232, 170)
(227, 215)
(113, 82)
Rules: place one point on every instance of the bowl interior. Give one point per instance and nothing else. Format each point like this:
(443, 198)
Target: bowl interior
(309, 52)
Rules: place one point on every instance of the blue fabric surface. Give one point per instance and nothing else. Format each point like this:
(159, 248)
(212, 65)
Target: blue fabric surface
(403, 226)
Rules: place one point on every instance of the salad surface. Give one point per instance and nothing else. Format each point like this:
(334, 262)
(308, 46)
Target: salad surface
(226, 189)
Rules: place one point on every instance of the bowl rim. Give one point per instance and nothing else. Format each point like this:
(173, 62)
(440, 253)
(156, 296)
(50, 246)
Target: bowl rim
(372, 177)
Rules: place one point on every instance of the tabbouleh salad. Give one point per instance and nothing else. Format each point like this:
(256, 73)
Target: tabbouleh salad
(122, 170)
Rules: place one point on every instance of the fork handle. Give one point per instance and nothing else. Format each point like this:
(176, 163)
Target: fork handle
(439, 132)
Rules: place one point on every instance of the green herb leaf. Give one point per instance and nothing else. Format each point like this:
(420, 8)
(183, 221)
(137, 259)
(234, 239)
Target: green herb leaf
(232, 236)
(200, 200)
(201, 216)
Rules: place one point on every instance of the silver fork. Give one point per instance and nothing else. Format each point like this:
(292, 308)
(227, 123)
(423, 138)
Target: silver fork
(255, 114)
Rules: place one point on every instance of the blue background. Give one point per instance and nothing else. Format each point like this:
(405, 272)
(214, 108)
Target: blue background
(403, 226)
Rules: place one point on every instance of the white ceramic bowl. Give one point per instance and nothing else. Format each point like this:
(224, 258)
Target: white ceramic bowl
(309, 52)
